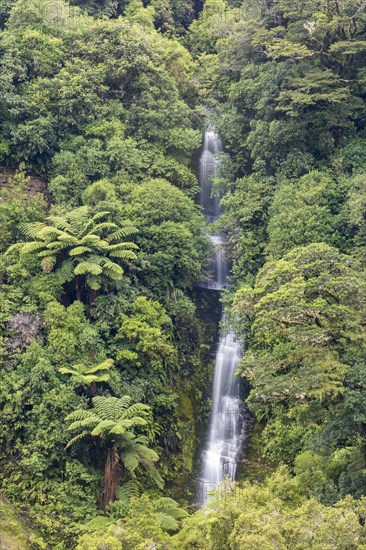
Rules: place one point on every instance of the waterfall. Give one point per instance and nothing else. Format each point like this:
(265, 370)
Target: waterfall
(226, 423)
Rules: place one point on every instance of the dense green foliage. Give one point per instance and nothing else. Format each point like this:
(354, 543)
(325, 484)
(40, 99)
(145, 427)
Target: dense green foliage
(287, 86)
(103, 355)
(96, 276)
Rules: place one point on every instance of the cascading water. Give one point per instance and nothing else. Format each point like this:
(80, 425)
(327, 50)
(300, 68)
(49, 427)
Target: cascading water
(226, 423)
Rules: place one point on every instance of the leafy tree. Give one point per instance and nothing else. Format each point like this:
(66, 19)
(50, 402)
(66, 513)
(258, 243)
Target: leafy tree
(113, 420)
(275, 513)
(356, 208)
(144, 338)
(245, 220)
(170, 235)
(79, 246)
(304, 308)
(305, 211)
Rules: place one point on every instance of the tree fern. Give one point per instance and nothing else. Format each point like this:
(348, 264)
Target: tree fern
(113, 420)
(84, 374)
(85, 241)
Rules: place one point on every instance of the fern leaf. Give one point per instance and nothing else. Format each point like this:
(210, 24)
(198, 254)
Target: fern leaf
(124, 254)
(66, 271)
(106, 365)
(90, 224)
(78, 218)
(59, 222)
(76, 438)
(88, 267)
(48, 233)
(121, 233)
(103, 226)
(130, 460)
(93, 282)
(167, 522)
(122, 246)
(113, 270)
(88, 422)
(138, 408)
(103, 427)
(31, 229)
(67, 239)
(79, 250)
(90, 378)
(17, 247)
(131, 489)
(33, 246)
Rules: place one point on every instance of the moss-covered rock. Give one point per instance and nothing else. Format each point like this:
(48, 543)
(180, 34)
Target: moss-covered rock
(13, 534)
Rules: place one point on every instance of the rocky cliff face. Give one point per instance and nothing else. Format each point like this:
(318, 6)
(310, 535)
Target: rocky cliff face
(34, 184)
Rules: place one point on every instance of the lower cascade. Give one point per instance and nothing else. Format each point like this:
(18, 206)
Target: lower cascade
(226, 425)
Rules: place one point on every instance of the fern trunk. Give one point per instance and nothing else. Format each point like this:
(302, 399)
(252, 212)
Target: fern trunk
(112, 476)
(78, 288)
(92, 294)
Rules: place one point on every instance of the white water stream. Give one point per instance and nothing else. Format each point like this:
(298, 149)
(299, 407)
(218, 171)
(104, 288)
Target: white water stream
(226, 423)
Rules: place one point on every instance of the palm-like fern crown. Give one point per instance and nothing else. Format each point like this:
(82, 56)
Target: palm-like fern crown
(84, 374)
(110, 417)
(79, 244)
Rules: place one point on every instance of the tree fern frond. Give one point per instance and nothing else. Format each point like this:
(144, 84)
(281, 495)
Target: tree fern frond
(79, 250)
(130, 460)
(80, 414)
(59, 222)
(124, 254)
(74, 370)
(113, 270)
(121, 405)
(93, 240)
(105, 365)
(100, 215)
(31, 229)
(122, 246)
(102, 427)
(55, 246)
(17, 247)
(90, 378)
(146, 454)
(48, 233)
(121, 233)
(88, 267)
(89, 422)
(67, 239)
(155, 476)
(167, 522)
(130, 489)
(140, 408)
(93, 282)
(103, 226)
(105, 407)
(121, 427)
(78, 218)
(32, 246)
(66, 271)
(76, 438)
(92, 222)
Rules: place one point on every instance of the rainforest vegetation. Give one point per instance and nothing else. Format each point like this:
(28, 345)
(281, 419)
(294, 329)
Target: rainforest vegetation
(105, 365)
